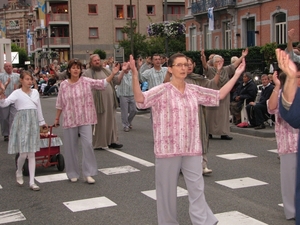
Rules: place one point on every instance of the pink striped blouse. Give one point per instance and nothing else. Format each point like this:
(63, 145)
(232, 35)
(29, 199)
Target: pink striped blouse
(175, 118)
(77, 103)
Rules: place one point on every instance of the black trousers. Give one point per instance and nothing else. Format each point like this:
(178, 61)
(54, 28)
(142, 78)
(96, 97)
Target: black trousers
(257, 114)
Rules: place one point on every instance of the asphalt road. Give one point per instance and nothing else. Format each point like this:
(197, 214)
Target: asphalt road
(125, 191)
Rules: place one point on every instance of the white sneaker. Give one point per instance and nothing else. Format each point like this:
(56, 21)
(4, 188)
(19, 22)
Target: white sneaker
(34, 187)
(73, 180)
(207, 171)
(90, 180)
(19, 179)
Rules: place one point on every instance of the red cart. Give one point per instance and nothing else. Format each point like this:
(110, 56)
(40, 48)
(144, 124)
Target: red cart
(49, 154)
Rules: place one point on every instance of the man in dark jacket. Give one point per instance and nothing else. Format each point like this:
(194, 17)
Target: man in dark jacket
(257, 111)
(247, 90)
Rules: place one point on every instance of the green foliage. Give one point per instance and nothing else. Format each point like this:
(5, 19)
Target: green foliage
(148, 46)
(268, 51)
(22, 55)
(101, 53)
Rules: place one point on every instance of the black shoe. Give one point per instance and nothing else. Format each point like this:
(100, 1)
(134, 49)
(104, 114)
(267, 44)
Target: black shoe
(99, 148)
(6, 138)
(226, 137)
(210, 136)
(262, 126)
(115, 145)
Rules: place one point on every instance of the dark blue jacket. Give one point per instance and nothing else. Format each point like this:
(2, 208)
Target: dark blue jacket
(265, 94)
(248, 92)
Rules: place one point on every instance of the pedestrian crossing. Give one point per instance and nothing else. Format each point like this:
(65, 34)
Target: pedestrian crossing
(102, 202)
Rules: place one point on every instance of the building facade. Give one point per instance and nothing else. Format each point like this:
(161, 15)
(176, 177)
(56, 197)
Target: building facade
(74, 29)
(239, 23)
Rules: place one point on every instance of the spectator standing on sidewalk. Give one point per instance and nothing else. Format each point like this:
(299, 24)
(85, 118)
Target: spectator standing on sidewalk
(125, 93)
(7, 113)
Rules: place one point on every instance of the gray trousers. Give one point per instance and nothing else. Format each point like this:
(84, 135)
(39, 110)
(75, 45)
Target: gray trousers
(166, 177)
(288, 167)
(128, 110)
(89, 163)
(7, 115)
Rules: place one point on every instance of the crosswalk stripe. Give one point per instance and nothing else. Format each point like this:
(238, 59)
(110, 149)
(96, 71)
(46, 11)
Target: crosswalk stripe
(11, 216)
(235, 217)
(90, 203)
(51, 178)
(118, 170)
(241, 183)
(152, 193)
(132, 158)
(235, 156)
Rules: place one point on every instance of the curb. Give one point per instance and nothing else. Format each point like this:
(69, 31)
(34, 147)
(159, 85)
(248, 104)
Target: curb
(268, 132)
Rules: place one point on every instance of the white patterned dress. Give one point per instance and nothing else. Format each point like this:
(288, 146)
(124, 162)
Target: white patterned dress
(25, 130)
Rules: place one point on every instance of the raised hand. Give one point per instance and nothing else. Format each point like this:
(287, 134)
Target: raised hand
(287, 65)
(125, 66)
(245, 52)
(132, 63)
(116, 68)
(275, 78)
(291, 34)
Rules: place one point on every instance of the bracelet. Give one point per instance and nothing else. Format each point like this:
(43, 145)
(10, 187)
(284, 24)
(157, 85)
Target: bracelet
(56, 118)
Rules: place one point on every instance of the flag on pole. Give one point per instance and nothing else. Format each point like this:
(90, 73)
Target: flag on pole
(211, 18)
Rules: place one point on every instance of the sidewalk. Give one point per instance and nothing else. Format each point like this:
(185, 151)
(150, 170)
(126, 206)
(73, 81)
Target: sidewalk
(268, 132)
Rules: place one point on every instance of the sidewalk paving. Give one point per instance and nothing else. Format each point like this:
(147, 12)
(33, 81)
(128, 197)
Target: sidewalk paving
(268, 132)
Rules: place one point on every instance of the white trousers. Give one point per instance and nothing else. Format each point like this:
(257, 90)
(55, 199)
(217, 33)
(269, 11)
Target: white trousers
(166, 176)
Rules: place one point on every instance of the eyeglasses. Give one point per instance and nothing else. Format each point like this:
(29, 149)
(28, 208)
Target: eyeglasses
(181, 65)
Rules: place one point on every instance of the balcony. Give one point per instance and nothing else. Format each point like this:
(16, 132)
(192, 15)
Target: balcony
(54, 42)
(201, 6)
(58, 18)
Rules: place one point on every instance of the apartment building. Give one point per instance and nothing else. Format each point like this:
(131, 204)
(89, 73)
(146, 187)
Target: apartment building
(240, 23)
(74, 29)
(15, 19)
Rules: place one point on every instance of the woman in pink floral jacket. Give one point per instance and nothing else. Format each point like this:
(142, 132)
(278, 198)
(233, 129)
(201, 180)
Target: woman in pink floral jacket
(75, 101)
(287, 142)
(177, 144)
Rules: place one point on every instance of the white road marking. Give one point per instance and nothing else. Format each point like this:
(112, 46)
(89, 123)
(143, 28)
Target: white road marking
(51, 178)
(235, 156)
(152, 193)
(88, 204)
(11, 216)
(273, 150)
(130, 157)
(235, 217)
(118, 170)
(241, 183)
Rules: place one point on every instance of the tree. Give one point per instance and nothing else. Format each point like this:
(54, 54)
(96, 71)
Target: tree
(101, 53)
(22, 54)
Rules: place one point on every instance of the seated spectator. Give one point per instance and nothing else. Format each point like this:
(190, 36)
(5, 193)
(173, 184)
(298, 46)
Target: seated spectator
(51, 87)
(246, 90)
(257, 111)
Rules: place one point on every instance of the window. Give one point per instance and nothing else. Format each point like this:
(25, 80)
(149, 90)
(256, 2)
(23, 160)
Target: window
(280, 28)
(130, 11)
(193, 39)
(93, 9)
(119, 34)
(150, 10)
(93, 32)
(207, 38)
(119, 12)
(227, 35)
